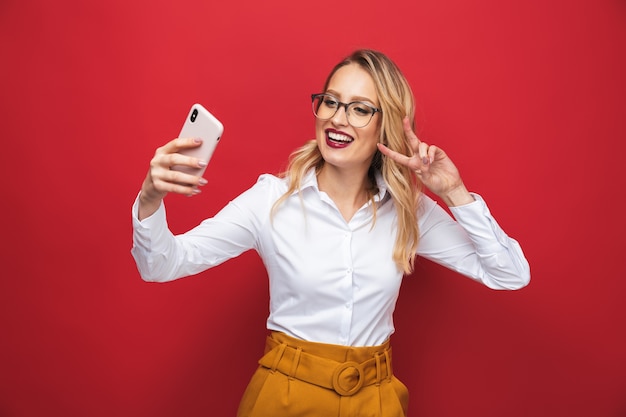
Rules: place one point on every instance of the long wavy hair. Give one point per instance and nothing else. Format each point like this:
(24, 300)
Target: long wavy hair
(396, 102)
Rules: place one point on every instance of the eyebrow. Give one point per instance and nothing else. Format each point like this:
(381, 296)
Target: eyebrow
(352, 99)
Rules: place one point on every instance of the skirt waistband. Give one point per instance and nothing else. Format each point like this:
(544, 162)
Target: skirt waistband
(345, 369)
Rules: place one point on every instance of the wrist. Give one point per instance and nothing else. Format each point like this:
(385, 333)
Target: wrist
(458, 196)
(149, 194)
(149, 200)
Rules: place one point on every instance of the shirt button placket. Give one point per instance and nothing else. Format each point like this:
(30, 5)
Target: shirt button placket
(349, 286)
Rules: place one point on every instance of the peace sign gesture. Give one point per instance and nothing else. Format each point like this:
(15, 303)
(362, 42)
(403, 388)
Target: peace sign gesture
(433, 167)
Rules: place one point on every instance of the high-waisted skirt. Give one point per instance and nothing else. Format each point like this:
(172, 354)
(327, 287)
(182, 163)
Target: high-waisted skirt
(297, 378)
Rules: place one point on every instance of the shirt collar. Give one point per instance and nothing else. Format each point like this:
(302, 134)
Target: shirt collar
(310, 181)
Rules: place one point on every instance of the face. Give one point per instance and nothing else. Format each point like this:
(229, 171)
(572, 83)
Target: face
(342, 145)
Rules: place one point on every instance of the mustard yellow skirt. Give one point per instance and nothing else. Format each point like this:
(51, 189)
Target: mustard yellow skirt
(297, 378)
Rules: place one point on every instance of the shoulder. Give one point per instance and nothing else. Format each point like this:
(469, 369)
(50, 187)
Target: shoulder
(267, 189)
(425, 204)
(271, 183)
(428, 211)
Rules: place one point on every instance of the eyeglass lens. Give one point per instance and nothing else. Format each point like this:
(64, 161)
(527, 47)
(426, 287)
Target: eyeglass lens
(358, 114)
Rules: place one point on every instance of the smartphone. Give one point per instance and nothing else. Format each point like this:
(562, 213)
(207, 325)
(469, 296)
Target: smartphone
(200, 123)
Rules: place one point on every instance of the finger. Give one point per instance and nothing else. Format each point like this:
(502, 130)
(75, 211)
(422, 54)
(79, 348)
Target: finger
(183, 189)
(432, 153)
(175, 145)
(423, 153)
(179, 177)
(166, 161)
(410, 135)
(396, 156)
(177, 182)
(170, 160)
(413, 163)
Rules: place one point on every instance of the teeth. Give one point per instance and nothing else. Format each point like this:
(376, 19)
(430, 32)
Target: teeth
(339, 137)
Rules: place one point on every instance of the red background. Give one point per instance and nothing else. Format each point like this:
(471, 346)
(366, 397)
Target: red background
(529, 98)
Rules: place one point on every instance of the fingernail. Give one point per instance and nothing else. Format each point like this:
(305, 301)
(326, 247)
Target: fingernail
(202, 163)
(425, 160)
(202, 181)
(197, 140)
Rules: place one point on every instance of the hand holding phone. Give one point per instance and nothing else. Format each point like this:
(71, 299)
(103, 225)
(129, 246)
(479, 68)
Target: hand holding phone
(200, 123)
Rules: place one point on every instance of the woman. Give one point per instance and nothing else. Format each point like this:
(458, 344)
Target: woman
(336, 232)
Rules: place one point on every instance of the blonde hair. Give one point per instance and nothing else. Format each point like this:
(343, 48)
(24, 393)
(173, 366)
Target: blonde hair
(396, 102)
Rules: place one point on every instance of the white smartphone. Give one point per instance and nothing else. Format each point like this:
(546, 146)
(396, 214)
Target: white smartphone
(200, 123)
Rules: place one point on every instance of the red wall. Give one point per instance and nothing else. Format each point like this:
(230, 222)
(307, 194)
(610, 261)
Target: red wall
(527, 97)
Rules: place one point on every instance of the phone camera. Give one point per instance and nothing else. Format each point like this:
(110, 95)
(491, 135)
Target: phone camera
(193, 116)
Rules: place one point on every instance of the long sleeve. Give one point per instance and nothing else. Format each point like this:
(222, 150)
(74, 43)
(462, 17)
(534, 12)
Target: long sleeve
(162, 256)
(474, 245)
(159, 255)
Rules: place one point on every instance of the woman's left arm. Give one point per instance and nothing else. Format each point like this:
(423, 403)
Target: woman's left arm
(474, 245)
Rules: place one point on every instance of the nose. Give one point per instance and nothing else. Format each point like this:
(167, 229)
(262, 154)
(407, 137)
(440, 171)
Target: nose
(341, 116)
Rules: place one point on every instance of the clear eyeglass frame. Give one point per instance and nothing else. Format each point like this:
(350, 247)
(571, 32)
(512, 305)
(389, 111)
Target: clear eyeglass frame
(352, 109)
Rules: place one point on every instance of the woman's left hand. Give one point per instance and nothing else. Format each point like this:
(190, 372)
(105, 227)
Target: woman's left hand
(433, 167)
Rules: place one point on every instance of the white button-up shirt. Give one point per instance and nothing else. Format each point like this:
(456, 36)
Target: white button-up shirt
(330, 281)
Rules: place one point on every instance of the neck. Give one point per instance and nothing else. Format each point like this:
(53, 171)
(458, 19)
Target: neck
(347, 188)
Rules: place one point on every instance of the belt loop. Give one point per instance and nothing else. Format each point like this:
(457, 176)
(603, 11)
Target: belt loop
(388, 363)
(378, 373)
(296, 362)
(279, 356)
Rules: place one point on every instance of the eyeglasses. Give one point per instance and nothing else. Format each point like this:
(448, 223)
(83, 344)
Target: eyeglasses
(358, 114)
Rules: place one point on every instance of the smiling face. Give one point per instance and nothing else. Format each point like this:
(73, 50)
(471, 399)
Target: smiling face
(342, 145)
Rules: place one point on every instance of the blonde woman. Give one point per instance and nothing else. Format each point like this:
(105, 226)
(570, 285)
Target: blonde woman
(336, 232)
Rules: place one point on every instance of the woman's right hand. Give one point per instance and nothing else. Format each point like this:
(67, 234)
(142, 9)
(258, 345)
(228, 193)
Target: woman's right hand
(161, 179)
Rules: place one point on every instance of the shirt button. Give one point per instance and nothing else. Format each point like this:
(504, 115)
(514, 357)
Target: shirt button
(348, 306)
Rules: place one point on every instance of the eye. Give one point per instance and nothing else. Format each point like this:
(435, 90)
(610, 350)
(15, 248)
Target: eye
(360, 109)
(330, 102)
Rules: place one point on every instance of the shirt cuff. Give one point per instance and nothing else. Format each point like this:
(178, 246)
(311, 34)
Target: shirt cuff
(149, 233)
(480, 225)
(151, 222)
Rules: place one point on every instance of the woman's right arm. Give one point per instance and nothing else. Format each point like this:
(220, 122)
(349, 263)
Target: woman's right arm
(151, 235)
(162, 256)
